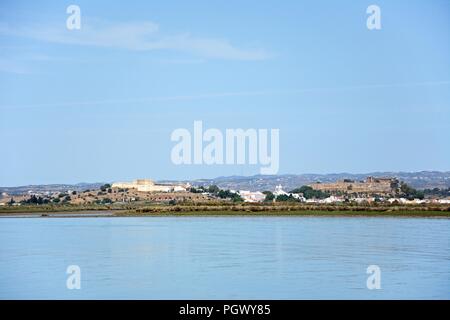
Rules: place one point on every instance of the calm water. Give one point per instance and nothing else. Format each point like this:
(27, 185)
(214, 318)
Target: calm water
(225, 257)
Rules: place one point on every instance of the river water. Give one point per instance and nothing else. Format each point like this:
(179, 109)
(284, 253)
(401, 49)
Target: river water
(225, 257)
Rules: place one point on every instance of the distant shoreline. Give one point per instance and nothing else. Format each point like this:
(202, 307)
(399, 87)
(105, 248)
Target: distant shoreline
(227, 209)
(295, 213)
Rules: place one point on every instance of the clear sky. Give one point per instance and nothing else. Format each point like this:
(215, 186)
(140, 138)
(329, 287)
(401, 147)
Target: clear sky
(100, 103)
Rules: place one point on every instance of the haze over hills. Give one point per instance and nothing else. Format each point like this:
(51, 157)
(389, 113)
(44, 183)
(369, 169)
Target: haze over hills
(418, 180)
(50, 188)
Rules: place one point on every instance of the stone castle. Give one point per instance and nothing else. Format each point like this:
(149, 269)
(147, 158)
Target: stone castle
(371, 185)
(147, 185)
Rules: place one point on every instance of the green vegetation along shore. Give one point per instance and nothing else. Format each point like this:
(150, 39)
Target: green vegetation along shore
(229, 210)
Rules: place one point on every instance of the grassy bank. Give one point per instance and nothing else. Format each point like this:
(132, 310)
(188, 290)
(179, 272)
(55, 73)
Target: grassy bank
(230, 209)
(60, 208)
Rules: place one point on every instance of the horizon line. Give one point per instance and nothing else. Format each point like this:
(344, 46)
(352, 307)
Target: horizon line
(237, 176)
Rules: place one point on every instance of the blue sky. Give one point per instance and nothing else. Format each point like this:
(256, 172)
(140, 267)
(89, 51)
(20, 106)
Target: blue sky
(100, 103)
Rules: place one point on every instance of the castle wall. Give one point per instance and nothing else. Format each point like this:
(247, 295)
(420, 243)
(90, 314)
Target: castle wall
(371, 185)
(146, 185)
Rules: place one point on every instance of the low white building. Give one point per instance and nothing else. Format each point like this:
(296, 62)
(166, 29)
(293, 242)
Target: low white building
(399, 200)
(406, 201)
(154, 188)
(147, 185)
(279, 191)
(250, 196)
(180, 188)
(360, 200)
(298, 197)
(332, 199)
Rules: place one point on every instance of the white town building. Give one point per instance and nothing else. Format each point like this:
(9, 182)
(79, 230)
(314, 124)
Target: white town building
(279, 191)
(147, 185)
(250, 196)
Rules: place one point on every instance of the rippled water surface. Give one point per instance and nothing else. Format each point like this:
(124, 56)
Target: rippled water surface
(225, 257)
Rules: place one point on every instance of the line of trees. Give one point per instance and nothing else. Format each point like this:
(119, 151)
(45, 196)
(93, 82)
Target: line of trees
(410, 193)
(35, 200)
(437, 192)
(216, 191)
(309, 193)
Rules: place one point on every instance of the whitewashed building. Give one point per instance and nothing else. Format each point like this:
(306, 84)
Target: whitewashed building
(250, 196)
(279, 191)
(147, 185)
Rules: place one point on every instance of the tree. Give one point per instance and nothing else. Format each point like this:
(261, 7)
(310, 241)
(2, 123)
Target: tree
(34, 200)
(409, 192)
(269, 196)
(200, 189)
(285, 197)
(105, 187)
(236, 198)
(106, 200)
(437, 192)
(227, 194)
(213, 189)
(309, 193)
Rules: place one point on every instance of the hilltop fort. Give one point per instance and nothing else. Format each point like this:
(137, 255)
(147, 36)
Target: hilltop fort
(372, 185)
(147, 185)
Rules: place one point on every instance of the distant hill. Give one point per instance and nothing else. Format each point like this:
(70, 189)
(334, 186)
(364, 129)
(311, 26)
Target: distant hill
(50, 188)
(418, 180)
